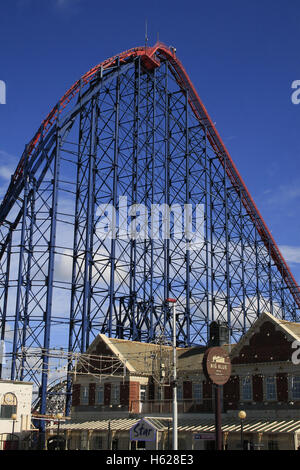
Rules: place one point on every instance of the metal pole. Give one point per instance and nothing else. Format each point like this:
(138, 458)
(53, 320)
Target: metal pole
(57, 445)
(108, 436)
(218, 423)
(242, 438)
(175, 417)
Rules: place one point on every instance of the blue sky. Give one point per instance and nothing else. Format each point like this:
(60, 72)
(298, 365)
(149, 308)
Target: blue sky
(241, 56)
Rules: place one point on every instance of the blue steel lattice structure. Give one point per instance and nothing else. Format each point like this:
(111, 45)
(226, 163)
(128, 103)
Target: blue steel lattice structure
(133, 126)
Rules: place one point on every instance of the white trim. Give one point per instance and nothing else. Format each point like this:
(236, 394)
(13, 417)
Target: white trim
(242, 377)
(117, 353)
(269, 400)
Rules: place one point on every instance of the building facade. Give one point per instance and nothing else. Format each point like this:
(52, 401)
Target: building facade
(119, 382)
(15, 413)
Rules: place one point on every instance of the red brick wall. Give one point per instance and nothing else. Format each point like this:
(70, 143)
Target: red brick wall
(267, 345)
(134, 396)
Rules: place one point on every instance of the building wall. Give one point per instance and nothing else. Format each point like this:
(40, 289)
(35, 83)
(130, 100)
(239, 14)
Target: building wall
(266, 353)
(23, 393)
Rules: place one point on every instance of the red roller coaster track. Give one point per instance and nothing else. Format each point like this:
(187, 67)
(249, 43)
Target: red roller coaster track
(150, 57)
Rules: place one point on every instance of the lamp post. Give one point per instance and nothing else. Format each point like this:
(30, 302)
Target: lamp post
(242, 415)
(175, 408)
(59, 417)
(109, 436)
(14, 419)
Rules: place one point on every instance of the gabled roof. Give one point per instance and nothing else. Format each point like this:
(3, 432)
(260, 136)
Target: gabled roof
(290, 329)
(143, 358)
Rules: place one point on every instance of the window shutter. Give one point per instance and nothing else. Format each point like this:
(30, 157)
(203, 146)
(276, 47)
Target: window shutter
(76, 395)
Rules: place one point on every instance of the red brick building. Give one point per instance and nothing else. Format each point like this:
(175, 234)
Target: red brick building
(119, 379)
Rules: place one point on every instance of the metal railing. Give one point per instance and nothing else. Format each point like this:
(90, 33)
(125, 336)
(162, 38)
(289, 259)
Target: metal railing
(164, 406)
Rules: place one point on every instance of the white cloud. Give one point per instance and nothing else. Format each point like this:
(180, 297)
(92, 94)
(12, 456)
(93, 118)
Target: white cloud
(283, 194)
(290, 253)
(8, 164)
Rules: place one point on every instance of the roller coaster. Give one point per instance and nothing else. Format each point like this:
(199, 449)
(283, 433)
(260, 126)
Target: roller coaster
(133, 126)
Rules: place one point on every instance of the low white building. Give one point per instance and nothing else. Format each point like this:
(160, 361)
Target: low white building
(15, 412)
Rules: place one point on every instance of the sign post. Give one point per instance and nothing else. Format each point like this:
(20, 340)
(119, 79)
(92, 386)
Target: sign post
(217, 369)
(175, 406)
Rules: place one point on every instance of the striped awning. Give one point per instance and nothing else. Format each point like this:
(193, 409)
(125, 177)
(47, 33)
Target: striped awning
(197, 424)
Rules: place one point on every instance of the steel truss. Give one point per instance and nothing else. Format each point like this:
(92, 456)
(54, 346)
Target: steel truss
(133, 126)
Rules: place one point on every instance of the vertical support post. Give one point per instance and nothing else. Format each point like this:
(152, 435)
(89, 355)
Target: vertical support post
(256, 273)
(74, 265)
(152, 330)
(270, 278)
(89, 229)
(6, 285)
(28, 277)
(20, 269)
(134, 181)
(50, 278)
(114, 201)
(242, 260)
(228, 300)
(166, 195)
(207, 203)
(211, 189)
(187, 201)
(175, 409)
(218, 418)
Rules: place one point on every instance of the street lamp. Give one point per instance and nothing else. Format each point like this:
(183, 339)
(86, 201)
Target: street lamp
(242, 415)
(175, 409)
(59, 416)
(14, 418)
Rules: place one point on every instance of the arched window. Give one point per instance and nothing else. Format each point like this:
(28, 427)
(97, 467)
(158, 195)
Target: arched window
(8, 405)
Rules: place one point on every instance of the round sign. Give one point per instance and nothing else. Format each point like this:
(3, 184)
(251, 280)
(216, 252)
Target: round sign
(216, 365)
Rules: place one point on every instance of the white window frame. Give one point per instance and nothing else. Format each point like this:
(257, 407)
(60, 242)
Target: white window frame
(180, 396)
(293, 397)
(143, 393)
(99, 389)
(267, 398)
(84, 397)
(115, 394)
